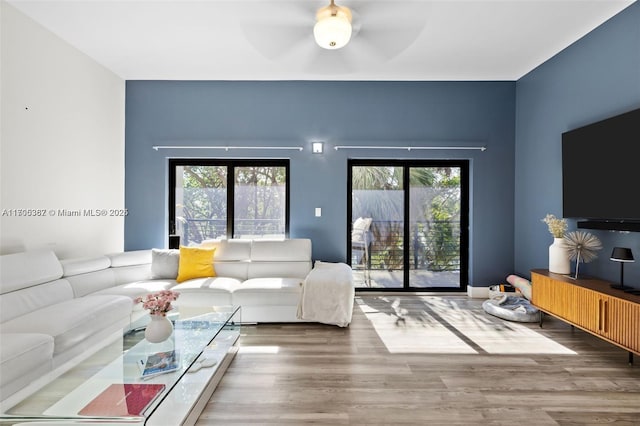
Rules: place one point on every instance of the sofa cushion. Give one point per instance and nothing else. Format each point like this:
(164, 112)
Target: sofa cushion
(164, 264)
(281, 251)
(284, 258)
(27, 269)
(22, 353)
(267, 292)
(84, 284)
(238, 269)
(137, 289)
(213, 284)
(21, 302)
(84, 265)
(195, 262)
(204, 292)
(75, 320)
(279, 269)
(129, 258)
(229, 250)
(130, 273)
(232, 257)
(90, 275)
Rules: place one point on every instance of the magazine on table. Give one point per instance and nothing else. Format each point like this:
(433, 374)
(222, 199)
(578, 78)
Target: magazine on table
(123, 399)
(159, 363)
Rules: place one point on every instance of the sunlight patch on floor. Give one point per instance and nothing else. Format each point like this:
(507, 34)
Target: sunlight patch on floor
(518, 339)
(432, 324)
(407, 334)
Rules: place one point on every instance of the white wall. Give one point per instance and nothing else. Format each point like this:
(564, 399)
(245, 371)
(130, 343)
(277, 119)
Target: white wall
(61, 143)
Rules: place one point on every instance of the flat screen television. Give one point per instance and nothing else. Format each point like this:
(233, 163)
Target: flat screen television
(601, 170)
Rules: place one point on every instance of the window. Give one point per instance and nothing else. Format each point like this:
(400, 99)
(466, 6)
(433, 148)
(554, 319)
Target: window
(218, 199)
(408, 224)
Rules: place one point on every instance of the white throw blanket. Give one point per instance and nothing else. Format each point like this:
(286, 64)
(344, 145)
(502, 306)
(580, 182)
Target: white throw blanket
(327, 294)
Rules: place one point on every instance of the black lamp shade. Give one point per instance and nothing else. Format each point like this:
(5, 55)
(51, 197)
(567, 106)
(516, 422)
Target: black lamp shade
(622, 254)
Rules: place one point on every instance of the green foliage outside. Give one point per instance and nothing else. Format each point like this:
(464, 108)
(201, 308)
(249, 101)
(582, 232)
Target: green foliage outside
(442, 229)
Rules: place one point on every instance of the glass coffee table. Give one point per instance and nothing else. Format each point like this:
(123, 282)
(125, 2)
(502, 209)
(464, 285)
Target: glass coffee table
(109, 388)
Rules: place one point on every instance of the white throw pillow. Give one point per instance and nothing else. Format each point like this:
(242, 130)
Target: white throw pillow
(164, 264)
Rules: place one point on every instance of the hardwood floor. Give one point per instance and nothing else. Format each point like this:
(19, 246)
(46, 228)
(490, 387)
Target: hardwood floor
(418, 360)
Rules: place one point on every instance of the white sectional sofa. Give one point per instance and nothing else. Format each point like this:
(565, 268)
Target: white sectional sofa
(55, 312)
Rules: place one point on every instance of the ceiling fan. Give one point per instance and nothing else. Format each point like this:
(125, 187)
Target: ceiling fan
(335, 38)
(333, 26)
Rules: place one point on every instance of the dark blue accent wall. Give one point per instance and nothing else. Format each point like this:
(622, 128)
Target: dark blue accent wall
(288, 113)
(595, 78)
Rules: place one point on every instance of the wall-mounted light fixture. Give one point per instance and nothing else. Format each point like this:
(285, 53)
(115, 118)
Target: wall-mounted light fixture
(317, 147)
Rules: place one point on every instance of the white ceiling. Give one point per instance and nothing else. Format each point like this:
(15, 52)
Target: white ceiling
(273, 40)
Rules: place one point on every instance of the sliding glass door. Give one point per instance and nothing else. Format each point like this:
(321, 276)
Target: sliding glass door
(408, 227)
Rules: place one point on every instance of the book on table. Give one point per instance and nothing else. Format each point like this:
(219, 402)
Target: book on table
(123, 399)
(159, 363)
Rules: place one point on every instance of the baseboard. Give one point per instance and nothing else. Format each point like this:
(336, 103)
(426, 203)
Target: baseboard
(478, 292)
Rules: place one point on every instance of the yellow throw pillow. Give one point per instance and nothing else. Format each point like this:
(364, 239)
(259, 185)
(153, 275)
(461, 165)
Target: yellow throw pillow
(195, 262)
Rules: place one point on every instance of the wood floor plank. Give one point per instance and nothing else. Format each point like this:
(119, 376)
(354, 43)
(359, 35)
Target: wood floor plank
(417, 360)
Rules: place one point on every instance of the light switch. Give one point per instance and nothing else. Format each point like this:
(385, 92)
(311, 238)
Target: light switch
(318, 212)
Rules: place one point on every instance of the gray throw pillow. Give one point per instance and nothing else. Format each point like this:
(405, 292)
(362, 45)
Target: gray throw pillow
(164, 264)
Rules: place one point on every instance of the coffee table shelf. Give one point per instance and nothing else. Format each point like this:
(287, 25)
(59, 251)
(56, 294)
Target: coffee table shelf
(205, 342)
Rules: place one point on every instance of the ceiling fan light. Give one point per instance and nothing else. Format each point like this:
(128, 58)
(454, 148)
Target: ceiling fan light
(333, 31)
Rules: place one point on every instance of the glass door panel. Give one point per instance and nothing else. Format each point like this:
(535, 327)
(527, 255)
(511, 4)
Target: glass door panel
(200, 203)
(377, 224)
(434, 218)
(259, 202)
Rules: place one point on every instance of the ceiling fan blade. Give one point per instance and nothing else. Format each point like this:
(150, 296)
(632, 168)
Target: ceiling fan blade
(277, 27)
(276, 41)
(386, 44)
(324, 62)
(387, 28)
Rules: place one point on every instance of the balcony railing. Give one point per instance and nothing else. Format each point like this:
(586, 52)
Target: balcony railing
(195, 231)
(434, 246)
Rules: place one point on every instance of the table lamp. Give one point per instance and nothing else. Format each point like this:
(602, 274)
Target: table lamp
(622, 255)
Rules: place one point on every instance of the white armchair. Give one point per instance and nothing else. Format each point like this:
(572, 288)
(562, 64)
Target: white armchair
(360, 241)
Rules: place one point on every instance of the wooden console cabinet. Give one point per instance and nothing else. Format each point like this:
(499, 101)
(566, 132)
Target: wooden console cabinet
(590, 304)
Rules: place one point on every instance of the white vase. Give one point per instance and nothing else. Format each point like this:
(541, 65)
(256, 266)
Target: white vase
(159, 329)
(559, 257)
